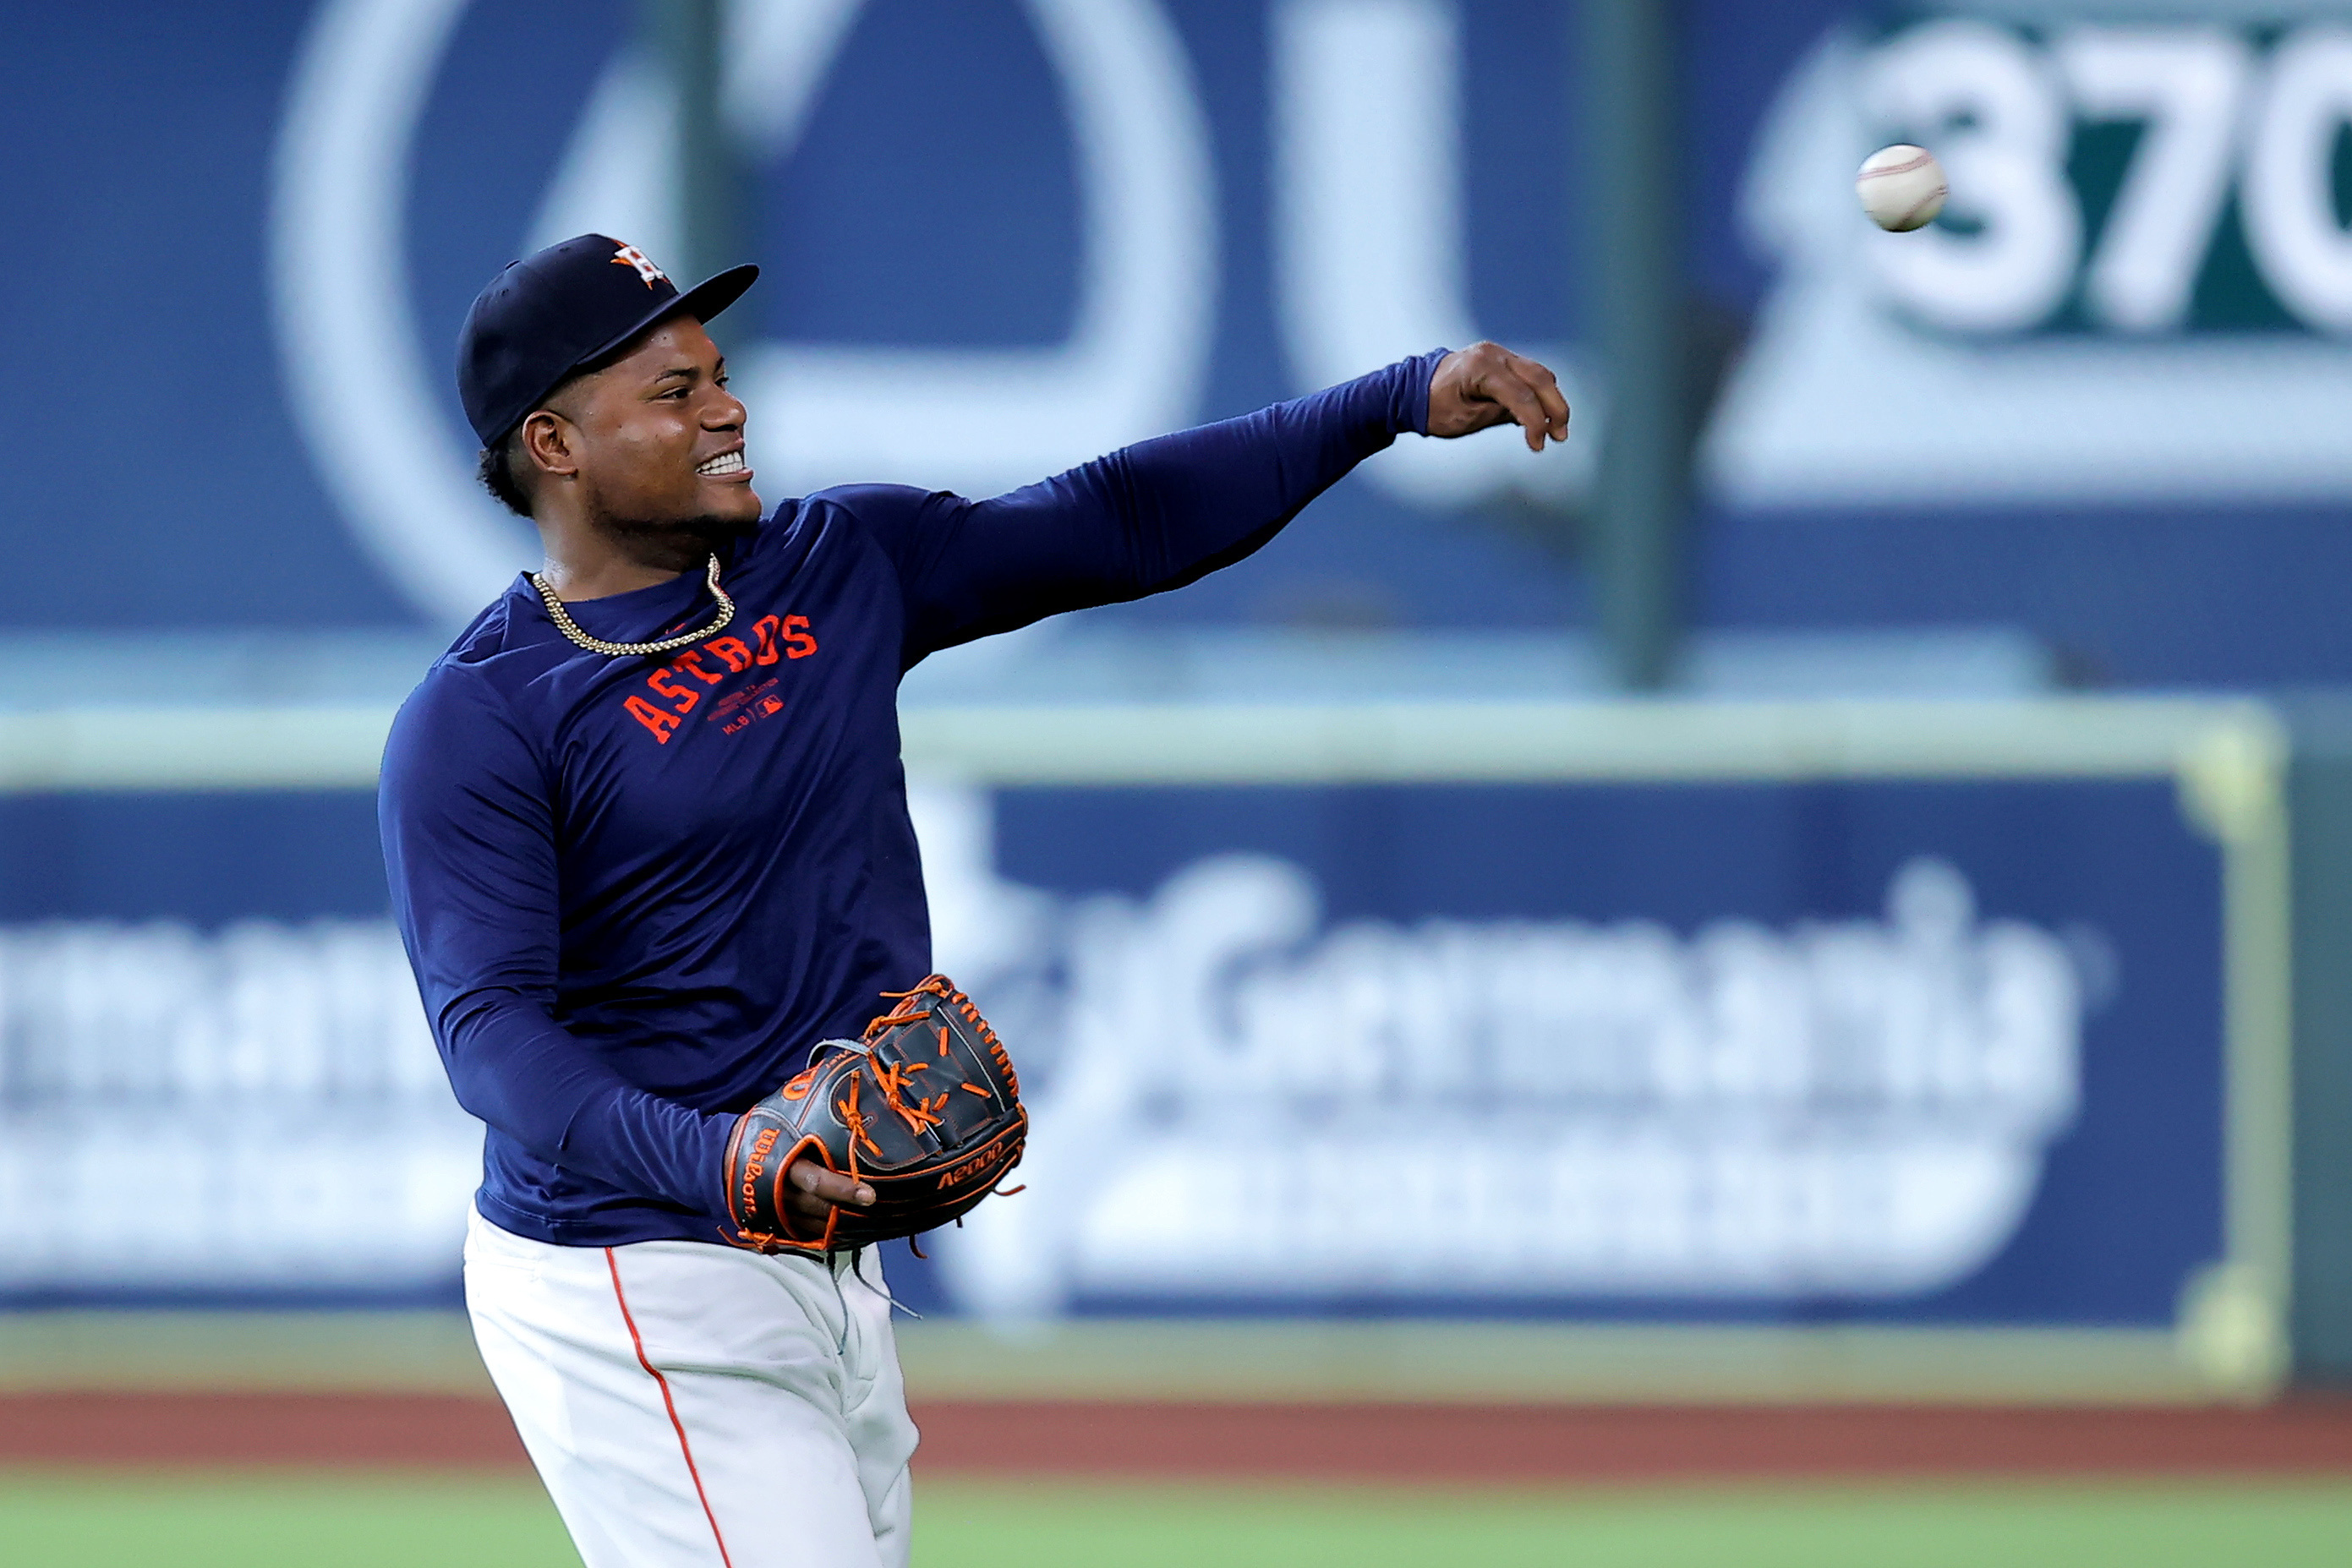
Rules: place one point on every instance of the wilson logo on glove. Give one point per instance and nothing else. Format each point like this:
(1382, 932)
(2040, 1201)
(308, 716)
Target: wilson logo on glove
(926, 1110)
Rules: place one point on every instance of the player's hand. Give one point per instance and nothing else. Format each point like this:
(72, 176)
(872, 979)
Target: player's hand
(1486, 385)
(816, 1192)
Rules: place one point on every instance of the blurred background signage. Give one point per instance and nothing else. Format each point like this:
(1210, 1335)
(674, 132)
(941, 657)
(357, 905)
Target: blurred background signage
(1436, 1058)
(1003, 236)
(2141, 295)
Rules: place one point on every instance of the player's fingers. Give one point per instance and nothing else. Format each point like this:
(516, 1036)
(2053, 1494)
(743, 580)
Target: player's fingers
(1548, 393)
(831, 1185)
(1505, 386)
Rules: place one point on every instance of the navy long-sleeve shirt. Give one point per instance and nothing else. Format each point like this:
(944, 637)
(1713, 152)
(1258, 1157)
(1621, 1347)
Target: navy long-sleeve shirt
(637, 890)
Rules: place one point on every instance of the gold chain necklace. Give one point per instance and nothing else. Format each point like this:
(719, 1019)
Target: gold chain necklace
(571, 628)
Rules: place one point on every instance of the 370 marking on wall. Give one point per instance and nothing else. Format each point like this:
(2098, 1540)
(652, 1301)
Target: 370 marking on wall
(2222, 113)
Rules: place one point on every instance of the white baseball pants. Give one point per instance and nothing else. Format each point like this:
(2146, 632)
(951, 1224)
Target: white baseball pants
(701, 1405)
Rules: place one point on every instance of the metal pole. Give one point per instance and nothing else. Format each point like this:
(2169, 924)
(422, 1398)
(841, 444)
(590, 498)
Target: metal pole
(2319, 824)
(685, 37)
(1639, 493)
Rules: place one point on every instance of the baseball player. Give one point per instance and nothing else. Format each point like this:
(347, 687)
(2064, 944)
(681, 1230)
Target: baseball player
(646, 831)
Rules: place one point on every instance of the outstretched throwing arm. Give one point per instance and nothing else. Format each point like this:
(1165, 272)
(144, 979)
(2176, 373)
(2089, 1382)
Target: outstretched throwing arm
(1168, 511)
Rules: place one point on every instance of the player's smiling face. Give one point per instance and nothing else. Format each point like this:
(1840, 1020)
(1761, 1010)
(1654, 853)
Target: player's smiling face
(660, 438)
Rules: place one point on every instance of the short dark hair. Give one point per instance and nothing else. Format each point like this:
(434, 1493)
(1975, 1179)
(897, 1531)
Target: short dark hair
(500, 466)
(495, 469)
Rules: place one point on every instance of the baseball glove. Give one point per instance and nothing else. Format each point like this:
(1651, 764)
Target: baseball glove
(926, 1110)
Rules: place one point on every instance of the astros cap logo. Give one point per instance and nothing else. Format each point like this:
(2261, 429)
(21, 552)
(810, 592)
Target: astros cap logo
(630, 255)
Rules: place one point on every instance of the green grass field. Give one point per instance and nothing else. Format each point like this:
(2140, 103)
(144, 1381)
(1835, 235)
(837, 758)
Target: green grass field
(77, 1521)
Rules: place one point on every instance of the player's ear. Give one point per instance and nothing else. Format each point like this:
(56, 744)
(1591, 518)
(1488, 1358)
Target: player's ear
(547, 441)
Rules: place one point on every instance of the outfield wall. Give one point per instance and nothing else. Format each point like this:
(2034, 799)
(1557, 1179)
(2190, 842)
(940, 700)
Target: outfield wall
(1591, 1050)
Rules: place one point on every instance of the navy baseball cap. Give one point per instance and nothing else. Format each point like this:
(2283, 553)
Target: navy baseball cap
(565, 307)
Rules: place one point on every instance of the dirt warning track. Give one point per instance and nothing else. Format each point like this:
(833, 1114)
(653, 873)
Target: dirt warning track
(1335, 1442)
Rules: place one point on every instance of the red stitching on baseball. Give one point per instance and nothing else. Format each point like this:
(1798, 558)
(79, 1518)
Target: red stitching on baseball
(1921, 161)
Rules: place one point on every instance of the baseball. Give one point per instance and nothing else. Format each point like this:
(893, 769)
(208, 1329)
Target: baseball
(1901, 187)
